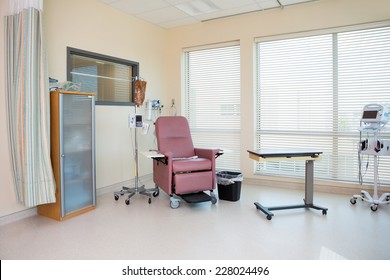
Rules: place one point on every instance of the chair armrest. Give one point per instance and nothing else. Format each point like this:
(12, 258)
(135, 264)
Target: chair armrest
(166, 158)
(210, 154)
(206, 153)
(167, 154)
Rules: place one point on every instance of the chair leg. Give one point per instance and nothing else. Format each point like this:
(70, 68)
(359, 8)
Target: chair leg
(213, 197)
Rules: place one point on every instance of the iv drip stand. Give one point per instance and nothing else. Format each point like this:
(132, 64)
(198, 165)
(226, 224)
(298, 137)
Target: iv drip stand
(136, 189)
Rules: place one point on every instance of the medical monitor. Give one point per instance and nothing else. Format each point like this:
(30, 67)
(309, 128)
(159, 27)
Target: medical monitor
(375, 113)
(370, 115)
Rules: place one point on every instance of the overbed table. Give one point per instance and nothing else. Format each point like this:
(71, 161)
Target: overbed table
(264, 155)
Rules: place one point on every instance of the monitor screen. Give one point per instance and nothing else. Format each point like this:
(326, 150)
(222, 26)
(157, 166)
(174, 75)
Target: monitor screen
(370, 115)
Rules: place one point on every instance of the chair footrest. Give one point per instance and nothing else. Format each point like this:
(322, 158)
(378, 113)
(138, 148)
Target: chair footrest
(196, 197)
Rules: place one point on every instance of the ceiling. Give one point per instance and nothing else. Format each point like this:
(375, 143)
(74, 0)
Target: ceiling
(174, 13)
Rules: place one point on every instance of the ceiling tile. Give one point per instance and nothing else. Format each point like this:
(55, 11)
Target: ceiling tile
(230, 4)
(290, 2)
(268, 4)
(197, 7)
(163, 15)
(228, 12)
(175, 2)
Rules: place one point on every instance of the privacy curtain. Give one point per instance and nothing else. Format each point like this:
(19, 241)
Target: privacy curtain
(27, 97)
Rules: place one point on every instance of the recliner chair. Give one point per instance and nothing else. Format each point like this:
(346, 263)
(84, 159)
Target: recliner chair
(184, 171)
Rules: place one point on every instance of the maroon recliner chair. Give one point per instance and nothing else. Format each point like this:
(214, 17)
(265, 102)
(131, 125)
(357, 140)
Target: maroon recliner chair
(184, 171)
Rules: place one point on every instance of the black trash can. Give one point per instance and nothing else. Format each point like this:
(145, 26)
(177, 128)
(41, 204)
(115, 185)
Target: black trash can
(229, 185)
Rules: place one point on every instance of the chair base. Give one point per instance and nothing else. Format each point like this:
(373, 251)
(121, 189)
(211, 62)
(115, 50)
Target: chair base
(140, 190)
(373, 200)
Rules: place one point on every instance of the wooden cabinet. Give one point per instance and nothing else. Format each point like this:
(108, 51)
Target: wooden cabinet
(72, 154)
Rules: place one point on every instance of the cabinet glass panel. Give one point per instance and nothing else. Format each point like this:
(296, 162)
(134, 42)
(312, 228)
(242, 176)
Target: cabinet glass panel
(77, 152)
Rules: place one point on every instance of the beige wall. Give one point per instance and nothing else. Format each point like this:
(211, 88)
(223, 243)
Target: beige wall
(92, 26)
(322, 14)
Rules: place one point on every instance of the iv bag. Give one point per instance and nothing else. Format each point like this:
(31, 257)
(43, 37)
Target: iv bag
(140, 88)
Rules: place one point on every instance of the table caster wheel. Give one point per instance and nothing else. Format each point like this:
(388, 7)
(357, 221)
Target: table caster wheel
(150, 200)
(374, 207)
(156, 193)
(324, 212)
(127, 201)
(116, 197)
(353, 200)
(269, 217)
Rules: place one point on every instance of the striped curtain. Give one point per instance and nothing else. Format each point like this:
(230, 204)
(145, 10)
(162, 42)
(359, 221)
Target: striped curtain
(27, 98)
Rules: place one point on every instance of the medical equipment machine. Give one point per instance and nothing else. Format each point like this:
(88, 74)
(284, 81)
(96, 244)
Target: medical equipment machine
(153, 109)
(372, 122)
(375, 114)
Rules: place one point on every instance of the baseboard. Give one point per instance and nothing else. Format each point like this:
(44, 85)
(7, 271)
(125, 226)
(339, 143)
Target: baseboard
(18, 216)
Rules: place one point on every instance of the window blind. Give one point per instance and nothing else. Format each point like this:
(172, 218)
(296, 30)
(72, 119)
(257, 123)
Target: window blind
(310, 94)
(212, 101)
(109, 77)
(111, 81)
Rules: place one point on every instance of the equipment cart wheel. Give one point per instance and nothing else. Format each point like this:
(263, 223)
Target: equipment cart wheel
(269, 217)
(353, 200)
(175, 204)
(324, 212)
(116, 197)
(156, 193)
(213, 200)
(127, 201)
(150, 200)
(374, 207)
(388, 198)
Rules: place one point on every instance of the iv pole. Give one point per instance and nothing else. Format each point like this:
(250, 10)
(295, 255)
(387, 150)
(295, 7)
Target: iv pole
(140, 86)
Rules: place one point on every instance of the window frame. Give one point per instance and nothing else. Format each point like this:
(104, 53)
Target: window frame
(132, 64)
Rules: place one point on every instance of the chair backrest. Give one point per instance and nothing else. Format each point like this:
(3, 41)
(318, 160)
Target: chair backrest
(173, 135)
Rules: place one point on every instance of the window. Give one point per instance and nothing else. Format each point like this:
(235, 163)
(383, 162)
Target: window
(310, 94)
(212, 100)
(109, 77)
